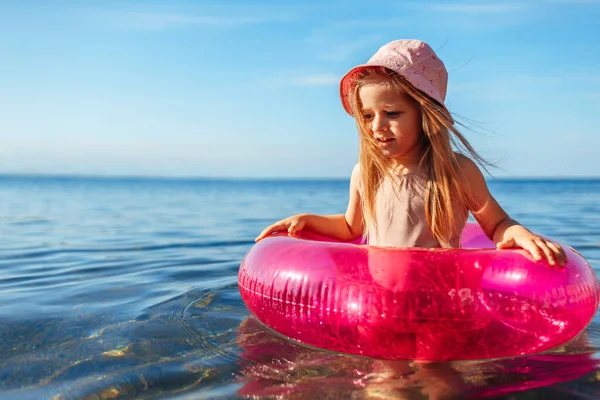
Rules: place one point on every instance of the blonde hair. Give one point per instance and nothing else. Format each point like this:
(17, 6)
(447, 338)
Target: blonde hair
(439, 159)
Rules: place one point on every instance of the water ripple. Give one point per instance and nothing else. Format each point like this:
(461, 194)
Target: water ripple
(127, 289)
(197, 245)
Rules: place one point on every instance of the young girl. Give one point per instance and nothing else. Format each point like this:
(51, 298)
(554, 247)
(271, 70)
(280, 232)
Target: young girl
(410, 188)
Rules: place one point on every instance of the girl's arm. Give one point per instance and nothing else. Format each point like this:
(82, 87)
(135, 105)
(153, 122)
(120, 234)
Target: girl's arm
(342, 227)
(497, 224)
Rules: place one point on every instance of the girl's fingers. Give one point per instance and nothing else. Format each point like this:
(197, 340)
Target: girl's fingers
(269, 230)
(539, 248)
(559, 253)
(263, 234)
(533, 248)
(541, 243)
(293, 227)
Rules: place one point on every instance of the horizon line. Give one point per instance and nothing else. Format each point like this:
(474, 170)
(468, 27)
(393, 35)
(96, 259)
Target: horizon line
(42, 175)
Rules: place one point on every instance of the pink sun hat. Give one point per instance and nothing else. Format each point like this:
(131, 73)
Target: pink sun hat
(413, 59)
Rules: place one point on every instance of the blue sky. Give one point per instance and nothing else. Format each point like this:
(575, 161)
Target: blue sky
(223, 88)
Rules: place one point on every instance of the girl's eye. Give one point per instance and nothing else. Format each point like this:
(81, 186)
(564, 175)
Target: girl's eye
(390, 114)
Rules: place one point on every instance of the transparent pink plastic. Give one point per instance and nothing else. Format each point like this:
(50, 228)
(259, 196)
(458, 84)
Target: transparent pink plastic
(420, 304)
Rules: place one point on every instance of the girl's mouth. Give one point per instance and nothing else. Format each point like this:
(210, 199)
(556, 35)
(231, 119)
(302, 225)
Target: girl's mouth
(385, 140)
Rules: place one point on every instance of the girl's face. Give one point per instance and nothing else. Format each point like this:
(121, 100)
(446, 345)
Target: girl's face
(394, 120)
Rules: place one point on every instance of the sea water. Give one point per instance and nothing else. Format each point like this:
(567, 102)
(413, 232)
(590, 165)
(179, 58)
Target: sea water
(127, 288)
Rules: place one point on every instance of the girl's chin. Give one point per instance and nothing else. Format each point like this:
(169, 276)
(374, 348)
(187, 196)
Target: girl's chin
(390, 153)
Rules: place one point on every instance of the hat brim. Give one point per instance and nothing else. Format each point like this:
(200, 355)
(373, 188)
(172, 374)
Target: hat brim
(423, 85)
(346, 85)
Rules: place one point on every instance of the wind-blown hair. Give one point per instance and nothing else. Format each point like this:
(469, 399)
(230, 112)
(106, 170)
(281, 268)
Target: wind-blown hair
(439, 159)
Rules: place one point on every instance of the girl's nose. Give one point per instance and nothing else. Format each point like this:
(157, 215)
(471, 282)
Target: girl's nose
(379, 124)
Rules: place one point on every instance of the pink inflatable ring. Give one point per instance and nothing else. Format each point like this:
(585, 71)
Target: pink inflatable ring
(419, 304)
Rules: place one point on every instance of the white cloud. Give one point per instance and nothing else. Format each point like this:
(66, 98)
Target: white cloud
(467, 16)
(340, 40)
(574, 2)
(298, 78)
(469, 8)
(343, 51)
(589, 79)
(162, 20)
(505, 89)
(591, 96)
(318, 80)
(366, 23)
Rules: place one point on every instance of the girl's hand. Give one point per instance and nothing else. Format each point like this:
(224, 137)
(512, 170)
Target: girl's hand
(519, 236)
(293, 225)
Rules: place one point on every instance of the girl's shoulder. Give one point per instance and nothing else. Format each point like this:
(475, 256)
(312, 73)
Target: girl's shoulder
(472, 177)
(467, 166)
(355, 181)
